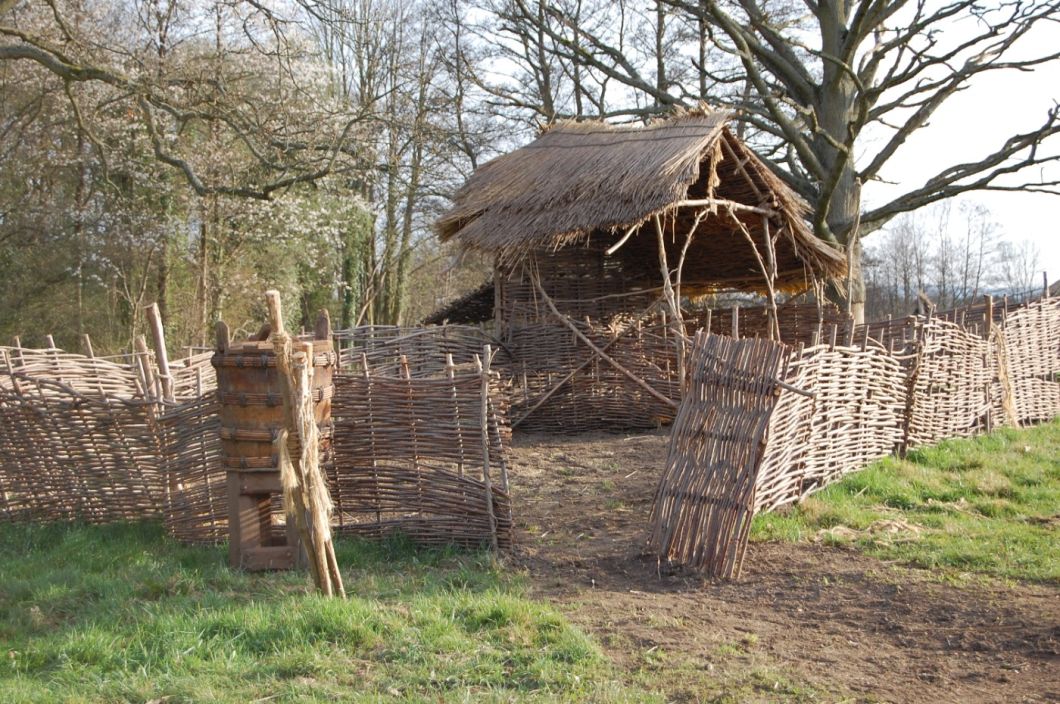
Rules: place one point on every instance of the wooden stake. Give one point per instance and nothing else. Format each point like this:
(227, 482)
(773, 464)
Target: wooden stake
(154, 319)
(223, 337)
(484, 370)
(144, 365)
(671, 300)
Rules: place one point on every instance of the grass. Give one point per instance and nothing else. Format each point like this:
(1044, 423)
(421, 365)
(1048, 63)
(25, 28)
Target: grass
(988, 505)
(120, 613)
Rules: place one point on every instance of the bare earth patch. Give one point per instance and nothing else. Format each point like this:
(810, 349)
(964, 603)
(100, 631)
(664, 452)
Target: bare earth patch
(804, 622)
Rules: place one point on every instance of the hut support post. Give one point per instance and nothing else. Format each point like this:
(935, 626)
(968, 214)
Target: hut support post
(771, 277)
(767, 274)
(676, 320)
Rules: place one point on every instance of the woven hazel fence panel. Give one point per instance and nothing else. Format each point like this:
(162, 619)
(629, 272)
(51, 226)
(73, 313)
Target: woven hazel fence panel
(854, 417)
(193, 376)
(424, 349)
(406, 457)
(196, 497)
(66, 456)
(94, 376)
(705, 499)
(909, 382)
(88, 438)
(950, 383)
(1031, 353)
(424, 456)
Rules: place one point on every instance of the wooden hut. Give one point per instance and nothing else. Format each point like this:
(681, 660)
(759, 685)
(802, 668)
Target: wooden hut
(598, 232)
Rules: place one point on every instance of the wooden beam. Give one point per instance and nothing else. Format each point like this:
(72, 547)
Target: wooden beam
(614, 248)
(724, 203)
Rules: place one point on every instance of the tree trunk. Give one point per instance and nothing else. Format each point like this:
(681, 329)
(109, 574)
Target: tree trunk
(834, 110)
(80, 205)
(162, 285)
(209, 220)
(843, 216)
(660, 49)
(349, 270)
(544, 78)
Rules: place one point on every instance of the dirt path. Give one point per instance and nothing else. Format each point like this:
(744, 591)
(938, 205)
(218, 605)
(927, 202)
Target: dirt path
(804, 621)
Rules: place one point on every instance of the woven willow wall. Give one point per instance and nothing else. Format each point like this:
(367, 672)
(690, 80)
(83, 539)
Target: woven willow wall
(584, 391)
(581, 281)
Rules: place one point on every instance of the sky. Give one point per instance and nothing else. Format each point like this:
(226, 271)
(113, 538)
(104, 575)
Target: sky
(972, 124)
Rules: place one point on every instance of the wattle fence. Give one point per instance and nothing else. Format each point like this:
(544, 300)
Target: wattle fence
(95, 440)
(422, 431)
(831, 409)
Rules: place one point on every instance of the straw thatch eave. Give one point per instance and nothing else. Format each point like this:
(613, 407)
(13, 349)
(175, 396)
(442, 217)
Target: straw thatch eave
(582, 178)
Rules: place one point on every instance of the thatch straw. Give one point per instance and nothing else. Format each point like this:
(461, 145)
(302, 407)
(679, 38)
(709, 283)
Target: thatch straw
(581, 178)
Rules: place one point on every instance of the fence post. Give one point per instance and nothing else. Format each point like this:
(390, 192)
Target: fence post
(143, 363)
(154, 318)
(484, 371)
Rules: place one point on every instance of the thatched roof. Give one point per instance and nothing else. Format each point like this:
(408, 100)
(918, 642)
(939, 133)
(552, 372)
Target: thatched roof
(473, 307)
(581, 178)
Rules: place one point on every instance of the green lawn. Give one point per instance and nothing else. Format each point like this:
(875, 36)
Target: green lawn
(120, 613)
(987, 505)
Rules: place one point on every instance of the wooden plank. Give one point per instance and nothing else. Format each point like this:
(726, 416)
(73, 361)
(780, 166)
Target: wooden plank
(270, 557)
(256, 483)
